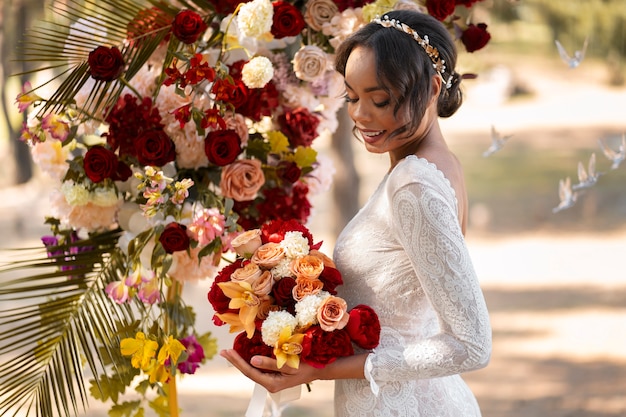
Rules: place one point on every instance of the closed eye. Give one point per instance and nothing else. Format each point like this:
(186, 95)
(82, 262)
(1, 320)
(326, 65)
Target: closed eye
(350, 100)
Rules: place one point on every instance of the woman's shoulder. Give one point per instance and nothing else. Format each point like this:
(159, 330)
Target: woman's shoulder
(415, 169)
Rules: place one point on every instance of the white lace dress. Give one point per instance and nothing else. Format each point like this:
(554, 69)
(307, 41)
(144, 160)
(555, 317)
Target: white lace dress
(404, 255)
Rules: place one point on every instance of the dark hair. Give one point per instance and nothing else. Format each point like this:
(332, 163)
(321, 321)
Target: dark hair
(402, 63)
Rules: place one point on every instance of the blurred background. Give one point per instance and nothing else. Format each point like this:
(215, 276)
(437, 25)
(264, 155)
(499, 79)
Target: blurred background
(555, 282)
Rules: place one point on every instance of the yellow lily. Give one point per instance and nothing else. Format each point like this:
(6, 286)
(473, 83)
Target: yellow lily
(288, 348)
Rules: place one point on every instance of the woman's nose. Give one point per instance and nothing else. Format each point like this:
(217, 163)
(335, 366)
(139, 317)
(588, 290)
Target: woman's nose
(358, 112)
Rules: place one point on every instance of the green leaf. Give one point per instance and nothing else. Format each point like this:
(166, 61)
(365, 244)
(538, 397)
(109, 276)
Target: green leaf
(125, 409)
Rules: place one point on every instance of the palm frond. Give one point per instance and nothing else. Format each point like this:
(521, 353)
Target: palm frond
(54, 317)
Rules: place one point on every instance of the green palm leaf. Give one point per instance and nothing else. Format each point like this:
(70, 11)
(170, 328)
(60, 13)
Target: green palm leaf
(53, 321)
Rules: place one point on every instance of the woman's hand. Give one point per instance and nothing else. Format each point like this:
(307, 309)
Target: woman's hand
(275, 380)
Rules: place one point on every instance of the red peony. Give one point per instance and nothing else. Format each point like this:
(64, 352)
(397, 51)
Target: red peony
(285, 204)
(440, 9)
(216, 296)
(475, 37)
(287, 20)
(105, 64)
(300, 126)
(188, 26)
(283, 295)
(319, 348)
(466, 3)
(155, 148)
(261, 102)
(288, 171)
(247, 348)
(174, 237)
(100, 163)
(222, 146)
(331, 278)
(364, 327)
(275, 231)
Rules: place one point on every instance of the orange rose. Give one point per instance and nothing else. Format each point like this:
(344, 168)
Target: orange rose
(325, 259)
(333, 314)
(268, 255)
(247, 242)
(306, 287)
(249, 273)
(242, 179)
(307, 267)
(267, 305)
(263, 284)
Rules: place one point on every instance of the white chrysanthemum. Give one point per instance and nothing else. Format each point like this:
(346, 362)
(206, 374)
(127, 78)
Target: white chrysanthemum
(257, 72)
(295, 245)
(306, 309)
(104, 197)
(75, 194)
(255, 18)
(274, 323)
(282, 270)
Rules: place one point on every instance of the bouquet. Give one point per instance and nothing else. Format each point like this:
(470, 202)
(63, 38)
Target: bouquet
(280, 294)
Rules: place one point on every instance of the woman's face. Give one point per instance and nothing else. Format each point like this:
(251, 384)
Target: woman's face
(371, 107)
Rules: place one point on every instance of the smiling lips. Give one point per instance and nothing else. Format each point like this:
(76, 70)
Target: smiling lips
(371, 135)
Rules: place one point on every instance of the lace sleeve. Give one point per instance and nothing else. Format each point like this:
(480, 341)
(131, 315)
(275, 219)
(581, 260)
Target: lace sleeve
(425, 223)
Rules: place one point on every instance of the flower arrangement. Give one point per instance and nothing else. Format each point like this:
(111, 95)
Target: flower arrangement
(174, 130)
(281, 291)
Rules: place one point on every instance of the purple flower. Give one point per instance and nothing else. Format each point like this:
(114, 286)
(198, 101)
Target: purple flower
(195, 355)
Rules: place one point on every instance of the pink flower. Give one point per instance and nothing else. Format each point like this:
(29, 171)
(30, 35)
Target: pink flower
(26, 97)
(56, 126)
(207, 225)
(149, 291)
(117, 291)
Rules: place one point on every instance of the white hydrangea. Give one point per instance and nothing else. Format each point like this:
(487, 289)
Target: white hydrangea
(255, 18)
(75, 194)
(275, 322)
(282, 270)
(295, 245)
(257, 72)
(306, 309)
(104, 197)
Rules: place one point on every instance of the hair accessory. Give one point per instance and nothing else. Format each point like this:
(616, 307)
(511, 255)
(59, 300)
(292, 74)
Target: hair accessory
(433, 53)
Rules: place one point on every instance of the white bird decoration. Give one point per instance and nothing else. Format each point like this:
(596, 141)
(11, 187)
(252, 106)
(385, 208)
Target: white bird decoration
(497, 142)
(566, 195)
(587, 178)
(574, 60)
(616, 157)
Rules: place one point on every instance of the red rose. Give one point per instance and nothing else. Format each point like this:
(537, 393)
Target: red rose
(122, 173)
(260, 102)
(100, 163)
(287, 20)
(319, 348)
(288, 171)
(440, 9)
(216, 296)
(247, 348)
(233, 92)
(105, 64)
(331, 278)
(475, 37)
(174, 237)
(155, 148)
(282, 292)
(188, 26)
(466, 3)
(364, 327)
(300, 126)
(222, 146)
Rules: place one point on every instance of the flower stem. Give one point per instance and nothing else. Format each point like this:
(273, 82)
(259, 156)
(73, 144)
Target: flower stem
(173, 292)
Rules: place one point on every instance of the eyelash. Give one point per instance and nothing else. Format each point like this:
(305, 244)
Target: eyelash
(354, 100)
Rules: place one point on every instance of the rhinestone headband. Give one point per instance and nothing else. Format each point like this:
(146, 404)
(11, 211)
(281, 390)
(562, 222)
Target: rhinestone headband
(433, 53)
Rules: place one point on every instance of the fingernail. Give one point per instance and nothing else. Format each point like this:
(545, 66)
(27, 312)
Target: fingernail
(255, 361)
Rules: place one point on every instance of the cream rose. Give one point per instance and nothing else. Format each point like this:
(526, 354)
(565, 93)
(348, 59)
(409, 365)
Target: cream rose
(306, 287)
(242, 179)
(247, 242)
(333, 314)
(268, 255)
(310, 63)
(319, 12)
(248, 273)
(263, 285)
(307, 267)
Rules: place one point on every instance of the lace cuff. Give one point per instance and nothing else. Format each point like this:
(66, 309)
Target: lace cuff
(369, 367)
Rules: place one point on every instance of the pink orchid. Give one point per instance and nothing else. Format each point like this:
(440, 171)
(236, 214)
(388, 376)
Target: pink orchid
(26, 97)
(117, 291)
(56, 126)
(207, 225)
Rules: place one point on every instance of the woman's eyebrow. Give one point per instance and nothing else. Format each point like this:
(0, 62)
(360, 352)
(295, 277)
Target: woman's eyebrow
(367, 90)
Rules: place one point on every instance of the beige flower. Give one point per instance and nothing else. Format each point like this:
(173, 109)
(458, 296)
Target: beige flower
(268, 255)
(263, 285)
(319, 12)
(248, 273)
(307, 267)
(310, 63)
(325, 259)
(237, 122)
(242, 179)
(333, 314)
(255, 18)
(257, 72)
(246, 243)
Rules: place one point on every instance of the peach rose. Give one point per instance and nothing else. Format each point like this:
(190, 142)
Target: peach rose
(267, 305)
(325, 259)
(333, 314)
(263, 284)
(306, 287)
(307, 267)
(242, 179)
(268, 255)
(248, 273)
(319, 12)
(247, 242)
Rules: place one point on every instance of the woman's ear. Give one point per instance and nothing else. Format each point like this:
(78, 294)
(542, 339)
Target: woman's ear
(436, 85)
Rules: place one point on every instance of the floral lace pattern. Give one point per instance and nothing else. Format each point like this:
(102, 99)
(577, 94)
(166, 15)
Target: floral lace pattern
(420, 279)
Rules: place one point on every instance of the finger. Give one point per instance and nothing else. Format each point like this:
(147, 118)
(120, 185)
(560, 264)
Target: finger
(263, 362)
